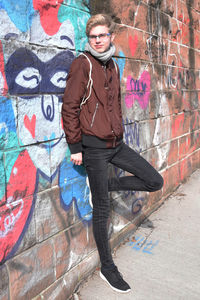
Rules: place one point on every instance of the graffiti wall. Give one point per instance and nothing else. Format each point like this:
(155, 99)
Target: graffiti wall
(46, 241)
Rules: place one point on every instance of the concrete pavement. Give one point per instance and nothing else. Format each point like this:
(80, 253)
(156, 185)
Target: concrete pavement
(161, 260)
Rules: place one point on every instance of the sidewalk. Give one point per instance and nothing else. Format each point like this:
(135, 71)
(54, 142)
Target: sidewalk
(161, 261)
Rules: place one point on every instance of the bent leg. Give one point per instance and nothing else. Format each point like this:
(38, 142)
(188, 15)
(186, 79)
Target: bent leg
(145, 178)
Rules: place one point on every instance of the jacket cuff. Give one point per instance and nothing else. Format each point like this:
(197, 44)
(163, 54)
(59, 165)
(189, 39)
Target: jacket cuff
(75, 148)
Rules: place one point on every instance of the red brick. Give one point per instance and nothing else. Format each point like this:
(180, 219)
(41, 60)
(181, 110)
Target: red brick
(32, 271)
(151, 155)
(152, 50)
(173, 152)
(183, 15)
(195, 120)
(169, 74)
(130, 41)
(197, 81)
(190, 100)
(184, 56)
(185, 168)
(4, 283)
(173, 56)
(132, 69)
(125, 10)
(196, 5)
(156, 49)
(88, 265)
(48, 208)
(57, 291)
(194, 140)
(63, 288)
(142, 17)
(139, 39)
(199, 98)
(166, 26)
(71, 246)
(162, 130)
(171, 179)
(197, 40)
(164, 46)
(196, 160)
(195, 19)
(62, 252)
(185, 35)
(178, 11)
(180, 124)
(169, 7)
(174, 33)
(197, 58)
(184, 146)
(157, 156)
(147, 134)
(177, 102)
(153, 199)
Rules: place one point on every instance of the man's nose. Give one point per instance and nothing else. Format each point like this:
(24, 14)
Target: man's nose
(97, 39)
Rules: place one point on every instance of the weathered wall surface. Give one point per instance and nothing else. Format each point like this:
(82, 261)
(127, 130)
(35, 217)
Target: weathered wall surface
(46, 243)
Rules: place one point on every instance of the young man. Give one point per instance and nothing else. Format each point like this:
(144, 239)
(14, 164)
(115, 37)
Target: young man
(92, 121)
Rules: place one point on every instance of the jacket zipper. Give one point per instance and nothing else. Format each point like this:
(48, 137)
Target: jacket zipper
(93, 117)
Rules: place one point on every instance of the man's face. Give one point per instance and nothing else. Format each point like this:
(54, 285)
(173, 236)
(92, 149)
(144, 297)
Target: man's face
(100, 38)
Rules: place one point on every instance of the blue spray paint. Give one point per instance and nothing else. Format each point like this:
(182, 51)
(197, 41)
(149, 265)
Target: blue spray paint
(78, 18)
(73, 188)
(141, 241)
(20, 12)
(121, 63)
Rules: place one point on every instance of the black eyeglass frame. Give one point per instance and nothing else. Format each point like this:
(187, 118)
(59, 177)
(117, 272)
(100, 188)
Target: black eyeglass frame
(100, 36)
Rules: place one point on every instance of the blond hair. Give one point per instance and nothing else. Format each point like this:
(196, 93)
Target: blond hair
(100, 19)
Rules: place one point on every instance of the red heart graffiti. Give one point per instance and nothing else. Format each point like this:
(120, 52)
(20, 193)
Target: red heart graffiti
(133, 43)
(30, 124)
(18, 205)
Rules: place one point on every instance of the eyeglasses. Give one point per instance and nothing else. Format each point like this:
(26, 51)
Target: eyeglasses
(101, 36)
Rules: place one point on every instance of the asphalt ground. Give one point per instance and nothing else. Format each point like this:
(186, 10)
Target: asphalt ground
(161, 260)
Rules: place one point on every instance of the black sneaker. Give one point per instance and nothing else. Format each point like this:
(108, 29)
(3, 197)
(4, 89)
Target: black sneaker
(115, 280)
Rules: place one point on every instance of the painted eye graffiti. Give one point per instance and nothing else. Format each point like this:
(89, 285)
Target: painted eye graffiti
(29, 78)
(48, 107)
(59, 79)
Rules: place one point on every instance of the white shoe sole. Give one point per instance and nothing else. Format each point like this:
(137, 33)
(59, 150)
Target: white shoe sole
(115, 289)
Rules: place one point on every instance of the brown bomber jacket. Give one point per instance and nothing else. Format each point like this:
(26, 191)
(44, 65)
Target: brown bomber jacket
(99, 122)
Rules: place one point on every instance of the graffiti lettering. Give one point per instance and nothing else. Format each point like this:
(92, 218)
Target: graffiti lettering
(9, 218)
(154, 51)
(132, 134)
(139, 90)
(137, 205)
(140, 241)
(49, 111)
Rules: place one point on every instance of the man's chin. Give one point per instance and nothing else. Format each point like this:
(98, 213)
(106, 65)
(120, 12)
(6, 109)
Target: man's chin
(100, 50)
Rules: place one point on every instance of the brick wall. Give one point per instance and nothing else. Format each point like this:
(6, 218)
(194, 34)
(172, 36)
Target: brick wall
(46, 242)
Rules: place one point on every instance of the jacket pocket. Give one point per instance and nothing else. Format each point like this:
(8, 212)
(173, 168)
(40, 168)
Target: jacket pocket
(94, 114)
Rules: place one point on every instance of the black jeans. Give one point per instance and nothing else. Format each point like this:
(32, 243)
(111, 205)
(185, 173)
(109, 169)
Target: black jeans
(96, 161)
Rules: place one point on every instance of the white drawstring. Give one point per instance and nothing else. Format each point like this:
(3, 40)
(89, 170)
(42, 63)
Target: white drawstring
(89, 85)
(90, 81)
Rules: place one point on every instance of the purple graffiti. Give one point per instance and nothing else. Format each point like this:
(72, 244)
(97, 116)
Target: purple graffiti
(139, 90)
